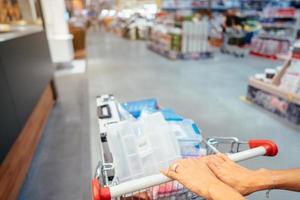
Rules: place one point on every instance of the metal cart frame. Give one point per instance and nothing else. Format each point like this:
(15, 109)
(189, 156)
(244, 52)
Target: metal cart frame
(105, 188)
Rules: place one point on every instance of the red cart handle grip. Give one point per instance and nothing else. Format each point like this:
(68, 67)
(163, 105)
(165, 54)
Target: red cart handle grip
(269, 145)
(100, 193)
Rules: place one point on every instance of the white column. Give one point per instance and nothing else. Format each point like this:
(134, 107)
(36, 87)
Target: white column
(59, 37)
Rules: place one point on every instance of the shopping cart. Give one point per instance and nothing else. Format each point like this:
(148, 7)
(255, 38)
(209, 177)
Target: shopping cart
(234, 43)
(158, 186)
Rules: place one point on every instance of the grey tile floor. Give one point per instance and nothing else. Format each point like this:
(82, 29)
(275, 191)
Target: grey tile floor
(61, 165)
(206, 91)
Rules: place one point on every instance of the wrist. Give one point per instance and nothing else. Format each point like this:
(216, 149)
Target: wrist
(263, 180)
(217, 191)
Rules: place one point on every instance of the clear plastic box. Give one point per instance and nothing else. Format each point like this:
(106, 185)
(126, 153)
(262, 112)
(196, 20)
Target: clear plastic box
(189, 137)
(142, 147)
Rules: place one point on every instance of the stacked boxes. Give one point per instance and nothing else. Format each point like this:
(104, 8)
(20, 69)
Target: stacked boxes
(195, 36)
(190, 41)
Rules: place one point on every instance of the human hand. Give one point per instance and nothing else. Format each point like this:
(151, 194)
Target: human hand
(240, 178)
(194, 174)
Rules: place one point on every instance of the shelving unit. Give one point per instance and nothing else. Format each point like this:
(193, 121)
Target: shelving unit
(196, 5)
(268, 95)
(174, 55)
(280, 94)
(196, 8)
(180, 39)
(179, 33)
(279, 31)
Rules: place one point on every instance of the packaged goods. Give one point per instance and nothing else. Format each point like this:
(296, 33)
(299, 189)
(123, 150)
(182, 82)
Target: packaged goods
(143, 147)
(270, 73)
(291, 79)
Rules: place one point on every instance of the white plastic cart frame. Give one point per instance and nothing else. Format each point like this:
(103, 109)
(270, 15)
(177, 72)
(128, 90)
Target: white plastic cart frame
(104, 189)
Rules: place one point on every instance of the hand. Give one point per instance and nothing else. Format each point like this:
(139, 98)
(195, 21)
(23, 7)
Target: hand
(240, 178)
(195, 175)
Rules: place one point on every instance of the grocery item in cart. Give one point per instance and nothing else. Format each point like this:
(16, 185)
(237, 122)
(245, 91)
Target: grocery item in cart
(170, 115)
(167, 191)
(189, 137)
(142, 147)
(135, 107)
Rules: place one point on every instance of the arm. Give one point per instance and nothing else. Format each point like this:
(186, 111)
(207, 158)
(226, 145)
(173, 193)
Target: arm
(222, 192)
(286, 179)
(248, 181)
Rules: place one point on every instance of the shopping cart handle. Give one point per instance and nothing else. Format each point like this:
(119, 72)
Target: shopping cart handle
(100, 193)
(270, 147)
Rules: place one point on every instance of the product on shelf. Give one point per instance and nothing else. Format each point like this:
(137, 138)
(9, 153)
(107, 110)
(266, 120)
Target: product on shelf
(175, 37)
(279, 30)
(268, 74)
(291, 78)
(269, 47)
(200, 4)
(195, 36)
(275, 12)
(278, 90)
(177, 4)
(296, 50)
(128, 23)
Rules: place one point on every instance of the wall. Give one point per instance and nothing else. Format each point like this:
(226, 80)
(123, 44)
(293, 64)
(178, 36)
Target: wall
(25, 71)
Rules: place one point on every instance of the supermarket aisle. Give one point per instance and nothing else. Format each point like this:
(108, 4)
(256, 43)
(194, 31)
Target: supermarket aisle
(207, 91)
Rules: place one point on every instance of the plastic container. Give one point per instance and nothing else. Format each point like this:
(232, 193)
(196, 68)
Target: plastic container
(188, 136)
(142, 147)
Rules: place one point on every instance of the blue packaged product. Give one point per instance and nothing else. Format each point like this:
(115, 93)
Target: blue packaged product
(135, 107)
(170, 115)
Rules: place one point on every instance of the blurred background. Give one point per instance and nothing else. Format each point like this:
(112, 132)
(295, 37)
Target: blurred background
(230, 66)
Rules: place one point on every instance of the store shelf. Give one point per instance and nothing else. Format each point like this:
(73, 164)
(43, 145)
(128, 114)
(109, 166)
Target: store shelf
(275, 37)
(214, 8)
(167, 54)
(280, 26)
(173, 55)
(272, 57)
(293, 17)
(284, 56)
(275, 90)
(275, 100)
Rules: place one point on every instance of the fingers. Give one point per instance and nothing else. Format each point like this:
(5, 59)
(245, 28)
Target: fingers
(178, 165)
(213, 167)
(216, 170)
(216, 159)
(169, 173)
(224, 157)
(215, 163)
(174, 169)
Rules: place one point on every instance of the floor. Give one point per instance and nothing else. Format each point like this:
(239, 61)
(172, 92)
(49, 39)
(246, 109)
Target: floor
(207, 91)
(61, 165)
